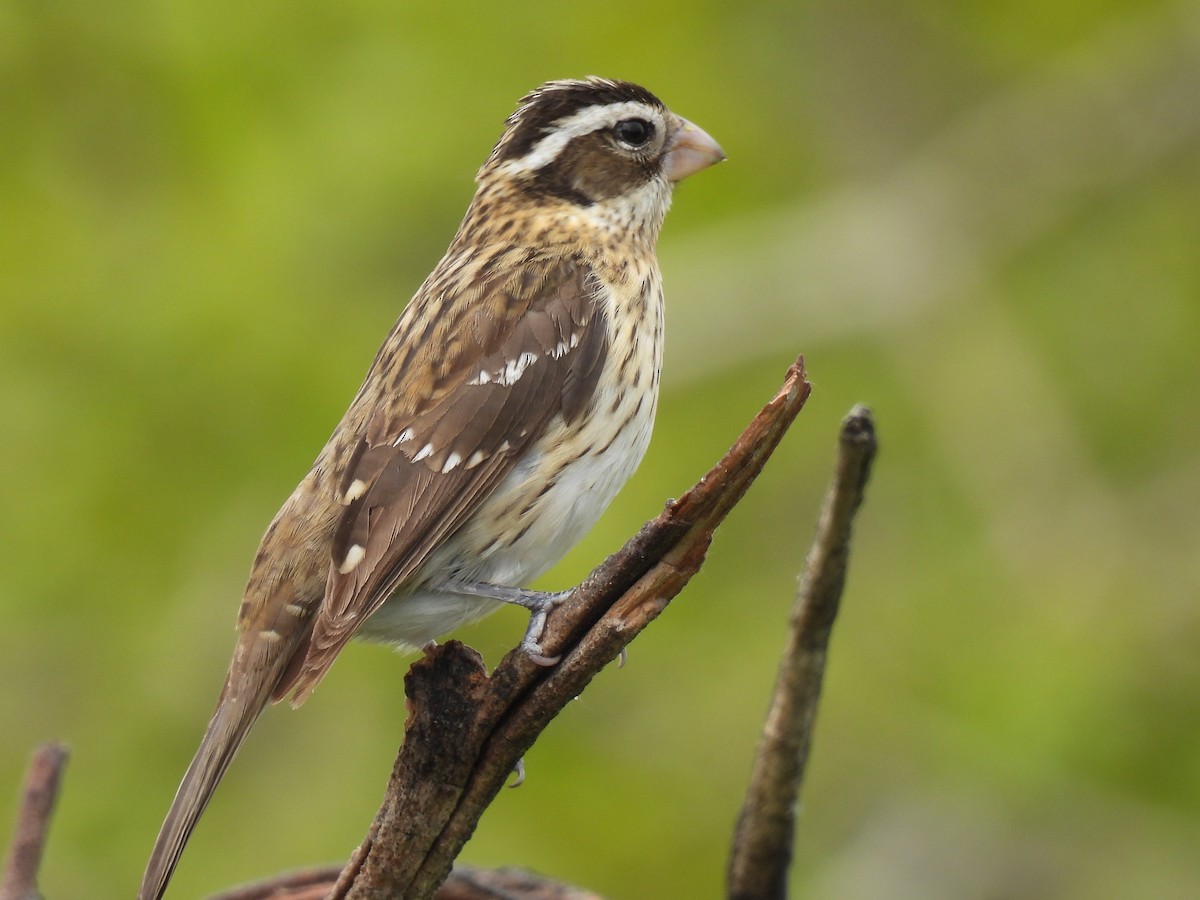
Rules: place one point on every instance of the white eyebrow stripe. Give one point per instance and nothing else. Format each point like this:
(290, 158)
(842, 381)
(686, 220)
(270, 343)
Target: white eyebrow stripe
(587, 120)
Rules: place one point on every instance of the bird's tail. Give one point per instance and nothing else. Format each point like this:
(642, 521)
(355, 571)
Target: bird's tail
(242, 700)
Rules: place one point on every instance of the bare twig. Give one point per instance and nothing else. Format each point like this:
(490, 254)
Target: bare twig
(464, 883)
(33, 822)
(306, 884)
(467, 731)
(762, 847)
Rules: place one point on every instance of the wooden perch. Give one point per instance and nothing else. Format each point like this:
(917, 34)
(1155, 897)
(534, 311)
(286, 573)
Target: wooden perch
(466, 731)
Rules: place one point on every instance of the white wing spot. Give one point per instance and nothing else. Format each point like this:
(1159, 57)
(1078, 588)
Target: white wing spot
(483, 377)
(476, 458)
(560, 350)
(357, 488)
(425, 451)
(451, 461)
(515, 368)
(295, 609)
(353, 557)
(271, 636)
(504, 447)
(405, 435)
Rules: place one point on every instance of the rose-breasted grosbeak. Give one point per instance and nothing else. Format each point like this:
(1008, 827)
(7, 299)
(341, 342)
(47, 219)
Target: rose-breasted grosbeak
(508, 405)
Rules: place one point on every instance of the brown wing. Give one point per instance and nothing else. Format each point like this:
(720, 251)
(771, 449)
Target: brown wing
(478, 383)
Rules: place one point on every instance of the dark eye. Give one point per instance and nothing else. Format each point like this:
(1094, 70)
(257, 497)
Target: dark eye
(634, 132)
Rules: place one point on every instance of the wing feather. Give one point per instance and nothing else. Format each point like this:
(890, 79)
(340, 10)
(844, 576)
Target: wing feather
(466, 408)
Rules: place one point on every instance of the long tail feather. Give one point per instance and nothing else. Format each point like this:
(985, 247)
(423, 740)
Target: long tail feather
(239, 707)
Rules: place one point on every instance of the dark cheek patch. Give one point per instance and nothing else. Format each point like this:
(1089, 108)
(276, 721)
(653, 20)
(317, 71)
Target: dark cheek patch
(588, 170)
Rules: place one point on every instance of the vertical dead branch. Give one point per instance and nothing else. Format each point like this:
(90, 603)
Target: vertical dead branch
(762, 846)
(33, 823)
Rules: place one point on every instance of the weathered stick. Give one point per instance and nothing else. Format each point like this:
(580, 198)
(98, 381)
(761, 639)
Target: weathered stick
(762, 846)
(33, 823)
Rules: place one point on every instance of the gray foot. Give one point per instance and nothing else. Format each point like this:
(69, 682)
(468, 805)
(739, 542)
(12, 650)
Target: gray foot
(539, 603)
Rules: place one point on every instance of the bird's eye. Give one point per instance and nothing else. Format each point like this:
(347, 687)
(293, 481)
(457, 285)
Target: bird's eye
(634, 132)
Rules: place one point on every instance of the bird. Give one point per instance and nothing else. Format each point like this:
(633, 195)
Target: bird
(507, 406)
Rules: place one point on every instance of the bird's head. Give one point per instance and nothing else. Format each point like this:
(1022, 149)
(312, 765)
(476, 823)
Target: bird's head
(608, 150)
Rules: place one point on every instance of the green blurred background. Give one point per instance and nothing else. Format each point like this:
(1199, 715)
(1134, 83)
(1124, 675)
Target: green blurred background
(983, 220)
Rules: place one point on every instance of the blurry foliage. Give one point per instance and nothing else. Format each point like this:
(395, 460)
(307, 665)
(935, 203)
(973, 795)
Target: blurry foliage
(980, 219)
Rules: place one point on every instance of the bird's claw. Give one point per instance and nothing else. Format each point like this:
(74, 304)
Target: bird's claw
(540, 607)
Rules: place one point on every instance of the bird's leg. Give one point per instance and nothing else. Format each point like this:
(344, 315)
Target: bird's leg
(539, 603)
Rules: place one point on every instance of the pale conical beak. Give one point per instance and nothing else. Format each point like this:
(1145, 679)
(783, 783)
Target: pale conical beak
(689, 150)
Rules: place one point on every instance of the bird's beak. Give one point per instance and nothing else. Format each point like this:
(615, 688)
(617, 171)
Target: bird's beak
(689, 150)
